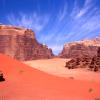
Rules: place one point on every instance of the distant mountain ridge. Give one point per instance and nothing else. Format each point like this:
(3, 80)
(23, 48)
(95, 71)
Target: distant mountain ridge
(80, 48)
(21, 44)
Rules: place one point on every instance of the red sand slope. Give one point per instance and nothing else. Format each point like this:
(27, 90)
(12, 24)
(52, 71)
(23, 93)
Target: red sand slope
(25, 83)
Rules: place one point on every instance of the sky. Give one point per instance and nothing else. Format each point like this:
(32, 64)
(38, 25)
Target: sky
(55, 22)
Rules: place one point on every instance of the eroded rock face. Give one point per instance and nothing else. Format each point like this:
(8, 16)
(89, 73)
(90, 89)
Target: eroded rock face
(21, 44)
(79, 62)
(80, 48)
(95, 62)
(92, 63)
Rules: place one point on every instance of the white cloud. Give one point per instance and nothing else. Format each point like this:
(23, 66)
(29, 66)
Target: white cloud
(47, 37)
(63, 12)
(33, 20)
(84, 10)
(78, 12)
(75, 9)
(85, 21)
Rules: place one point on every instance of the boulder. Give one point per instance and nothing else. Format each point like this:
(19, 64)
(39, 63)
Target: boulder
(1, 76)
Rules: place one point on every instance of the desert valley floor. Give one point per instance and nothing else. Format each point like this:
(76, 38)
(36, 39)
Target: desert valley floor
(46, 80)
(56, 66)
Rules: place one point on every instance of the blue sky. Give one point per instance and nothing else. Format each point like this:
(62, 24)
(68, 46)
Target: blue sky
(55, 22)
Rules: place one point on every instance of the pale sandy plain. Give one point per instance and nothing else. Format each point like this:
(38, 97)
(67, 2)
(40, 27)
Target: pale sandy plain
(56, 66)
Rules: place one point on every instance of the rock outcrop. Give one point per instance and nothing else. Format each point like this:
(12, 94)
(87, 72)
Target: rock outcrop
(21, 44)
(92, 63)
(95, 62)
(1, 76)
(80, 48)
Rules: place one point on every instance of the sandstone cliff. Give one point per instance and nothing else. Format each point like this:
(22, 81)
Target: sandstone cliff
(21, 44)
(80, 48)
(92, 63)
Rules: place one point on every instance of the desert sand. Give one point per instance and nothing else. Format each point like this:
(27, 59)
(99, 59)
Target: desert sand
(27, 83)
(56, 66)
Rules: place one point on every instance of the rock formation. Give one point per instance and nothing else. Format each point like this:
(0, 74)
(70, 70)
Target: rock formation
(80, 48)
(21, 44)
(92, 63)
(1, 76)
(95, 62)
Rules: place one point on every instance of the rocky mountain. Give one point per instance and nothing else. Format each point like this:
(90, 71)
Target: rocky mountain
(80, 48)
(21, 44)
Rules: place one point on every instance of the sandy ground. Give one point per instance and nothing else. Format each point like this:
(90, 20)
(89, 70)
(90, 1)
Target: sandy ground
(56, 67)
(26, 83)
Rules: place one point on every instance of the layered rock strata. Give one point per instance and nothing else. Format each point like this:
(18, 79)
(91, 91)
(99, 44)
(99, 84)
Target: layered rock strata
(80, 48)
(92, 63)
(21, 44)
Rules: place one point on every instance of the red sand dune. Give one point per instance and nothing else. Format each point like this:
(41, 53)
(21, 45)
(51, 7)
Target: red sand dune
(26, 83)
